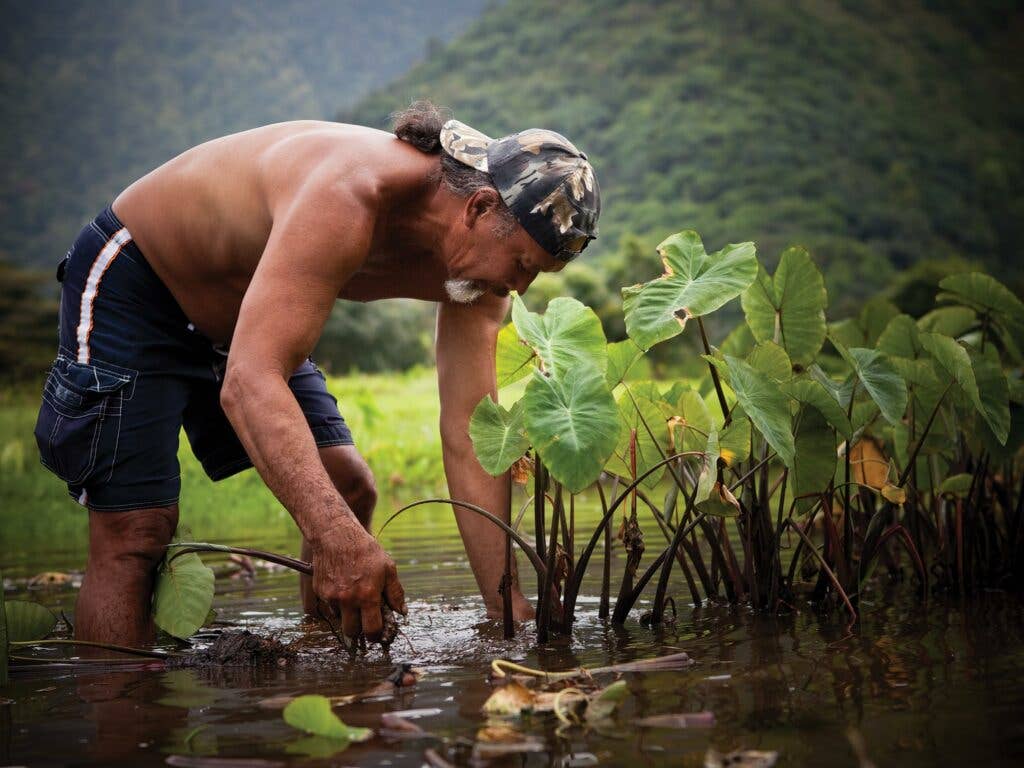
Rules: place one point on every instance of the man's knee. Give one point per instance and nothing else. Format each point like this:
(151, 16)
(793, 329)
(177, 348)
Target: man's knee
(353, 478)
(360, 493)
(134, 538)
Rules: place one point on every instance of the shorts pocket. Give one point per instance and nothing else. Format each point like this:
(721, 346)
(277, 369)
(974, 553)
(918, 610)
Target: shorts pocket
(80, 419)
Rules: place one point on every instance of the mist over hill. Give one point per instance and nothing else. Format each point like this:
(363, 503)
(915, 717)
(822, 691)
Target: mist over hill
(97, 93)
(876, 133)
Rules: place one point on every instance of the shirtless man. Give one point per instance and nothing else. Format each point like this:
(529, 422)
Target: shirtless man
(248, 241)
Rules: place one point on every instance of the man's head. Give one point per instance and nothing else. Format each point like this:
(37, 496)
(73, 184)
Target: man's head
(529, 201)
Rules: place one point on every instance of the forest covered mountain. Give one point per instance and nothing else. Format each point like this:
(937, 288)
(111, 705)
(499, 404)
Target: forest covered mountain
(876, 133)
(97, 93)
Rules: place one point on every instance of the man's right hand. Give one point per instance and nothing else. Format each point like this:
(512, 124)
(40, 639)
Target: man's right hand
(351, 573)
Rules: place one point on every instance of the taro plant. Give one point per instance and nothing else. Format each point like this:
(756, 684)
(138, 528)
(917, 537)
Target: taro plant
(810, 453)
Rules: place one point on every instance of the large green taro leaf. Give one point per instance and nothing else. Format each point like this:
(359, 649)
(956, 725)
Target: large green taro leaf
(690, 418)
(694, 284)
(983, 293)
(766, 405)
(572, 423)
(950, 321)
(734, 440)
(879, 378)
(864, 330)
(900, 338)
(955, 363)
(993, 392)
(623, 358)
(771, 360)
(815, 460)
(183, 595)
(566, 336)
(640, 409)
(499, 436)
(513, 359)
(813, 393)
(789, 308)
(28, 621)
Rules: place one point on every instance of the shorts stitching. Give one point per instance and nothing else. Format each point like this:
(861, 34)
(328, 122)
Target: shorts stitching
(117, 438)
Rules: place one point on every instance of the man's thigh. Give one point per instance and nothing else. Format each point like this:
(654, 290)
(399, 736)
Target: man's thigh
(216, 445)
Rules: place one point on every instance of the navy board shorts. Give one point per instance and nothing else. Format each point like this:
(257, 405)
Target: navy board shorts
(131, 370)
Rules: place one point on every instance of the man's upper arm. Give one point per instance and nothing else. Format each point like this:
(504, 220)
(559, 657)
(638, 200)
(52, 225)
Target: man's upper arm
(318, 240)
(466, 340)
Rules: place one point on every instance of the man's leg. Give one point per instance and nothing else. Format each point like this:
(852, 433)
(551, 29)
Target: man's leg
(352, 477)
(125, 549)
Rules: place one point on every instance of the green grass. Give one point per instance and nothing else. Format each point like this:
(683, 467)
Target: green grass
(393, 417)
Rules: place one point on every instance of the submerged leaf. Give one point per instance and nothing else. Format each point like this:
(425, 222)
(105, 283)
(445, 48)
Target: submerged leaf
(694, 284)
(789, 308)
(183, 595)
(499, 436)
(313, 714)
(27, 621)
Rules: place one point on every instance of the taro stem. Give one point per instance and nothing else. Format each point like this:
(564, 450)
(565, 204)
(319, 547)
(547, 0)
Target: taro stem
(714, 374)
(540, 482)
(666, 567)
(632, 538)
(508, 626)
(547, 586)
(606, 574)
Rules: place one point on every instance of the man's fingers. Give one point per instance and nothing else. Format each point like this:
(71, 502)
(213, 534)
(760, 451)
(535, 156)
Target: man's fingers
(393, 592)
(373, 623)
(350, 623)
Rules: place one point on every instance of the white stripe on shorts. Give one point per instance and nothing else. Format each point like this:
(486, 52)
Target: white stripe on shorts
(92, 284)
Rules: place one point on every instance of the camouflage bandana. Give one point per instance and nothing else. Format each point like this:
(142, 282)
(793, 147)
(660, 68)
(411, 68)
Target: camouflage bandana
(546, 182)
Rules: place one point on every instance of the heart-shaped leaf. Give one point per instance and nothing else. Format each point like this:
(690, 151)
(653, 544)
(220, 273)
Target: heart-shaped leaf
(183, 595)
(993, 392)
(789, 308)
(879, 378)
(499, 436)
(814, 463)
(623, 357)
(982, 293)
(567, 335)
(640, 409)
(313, 714)
(694, 284)
(765, 404)
(572, 423)
(813, 393)
(771, 360)
(513, 359)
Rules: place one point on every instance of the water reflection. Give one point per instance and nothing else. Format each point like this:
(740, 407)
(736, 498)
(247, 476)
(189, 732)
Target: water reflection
(921, 685)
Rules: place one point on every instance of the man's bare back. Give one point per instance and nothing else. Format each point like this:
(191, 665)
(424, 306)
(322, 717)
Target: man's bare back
(204, 218)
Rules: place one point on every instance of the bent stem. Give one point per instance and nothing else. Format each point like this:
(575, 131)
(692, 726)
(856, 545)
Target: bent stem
(821, 561)
(535, 560)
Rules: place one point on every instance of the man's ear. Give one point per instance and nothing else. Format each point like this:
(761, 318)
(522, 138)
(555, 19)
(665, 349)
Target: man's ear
(480, 203)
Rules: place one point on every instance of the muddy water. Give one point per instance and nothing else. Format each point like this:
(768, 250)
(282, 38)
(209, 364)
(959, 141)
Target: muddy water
(942, 685)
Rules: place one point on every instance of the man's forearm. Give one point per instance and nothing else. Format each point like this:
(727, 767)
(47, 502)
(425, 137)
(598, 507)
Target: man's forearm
(484, 541)
(273, 430)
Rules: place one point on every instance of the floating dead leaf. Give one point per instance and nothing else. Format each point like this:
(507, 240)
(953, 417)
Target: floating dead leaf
(741, 758)
(894, 493)
(51, 579)
(509, 700)
(680, 720)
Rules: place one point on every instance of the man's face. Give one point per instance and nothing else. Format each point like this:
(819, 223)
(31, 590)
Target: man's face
(488, 258)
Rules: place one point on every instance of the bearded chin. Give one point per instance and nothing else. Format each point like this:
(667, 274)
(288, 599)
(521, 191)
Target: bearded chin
(463, 291)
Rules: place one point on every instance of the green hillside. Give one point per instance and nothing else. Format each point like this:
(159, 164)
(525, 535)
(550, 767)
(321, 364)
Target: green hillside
(97, 93)
(877, 133)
